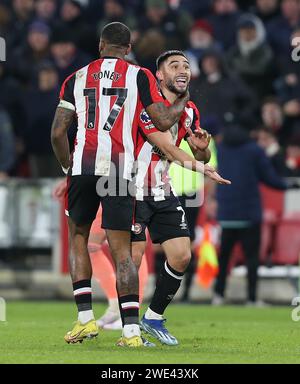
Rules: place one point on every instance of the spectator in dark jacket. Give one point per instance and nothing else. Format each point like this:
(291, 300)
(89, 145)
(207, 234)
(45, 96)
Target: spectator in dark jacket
(45, 10)
(224, 19)
(220, 96)
(266, 139)
(239, 206)
(195, 8)
(172, 25)
(83, 33)
(65, 54)
(252, 57)
(266, 10)
(149, 47)
(280, 30)
(273, 118)
(24, 62)
(10, 99)
(7, 145)
(293, 155)
(40, 104)
(115, 10)
(21, 17)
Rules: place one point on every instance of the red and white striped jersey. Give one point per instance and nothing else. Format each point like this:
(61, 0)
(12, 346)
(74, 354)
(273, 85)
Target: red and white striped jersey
(107, 96)
(152, 178)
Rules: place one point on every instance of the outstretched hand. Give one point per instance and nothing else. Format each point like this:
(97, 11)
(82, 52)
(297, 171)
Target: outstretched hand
(213, 174)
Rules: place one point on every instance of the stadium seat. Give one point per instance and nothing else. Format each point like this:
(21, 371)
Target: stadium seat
(272, 201)
(287, 241)
(266, 246)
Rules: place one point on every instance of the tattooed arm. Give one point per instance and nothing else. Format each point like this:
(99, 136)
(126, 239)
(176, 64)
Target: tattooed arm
(62, 121)
(164, 117)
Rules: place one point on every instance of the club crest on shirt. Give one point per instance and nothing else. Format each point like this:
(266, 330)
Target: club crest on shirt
(137, 228)
(188, 122)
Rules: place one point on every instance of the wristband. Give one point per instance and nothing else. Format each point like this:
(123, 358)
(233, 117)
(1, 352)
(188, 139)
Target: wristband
(65, 170)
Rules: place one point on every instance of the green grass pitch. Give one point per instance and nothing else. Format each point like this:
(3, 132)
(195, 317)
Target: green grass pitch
(34, 333)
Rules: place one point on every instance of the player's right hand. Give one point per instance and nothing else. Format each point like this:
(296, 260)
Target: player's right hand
(213, 174)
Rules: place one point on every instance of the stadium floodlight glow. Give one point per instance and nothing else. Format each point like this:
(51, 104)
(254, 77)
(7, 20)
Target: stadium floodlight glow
(2, 309)
(2, 49)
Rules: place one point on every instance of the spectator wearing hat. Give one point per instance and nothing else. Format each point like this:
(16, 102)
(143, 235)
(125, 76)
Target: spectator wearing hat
(221, 97)
(223, 20)
(200, 39)
(25, 60)
(252, 57)
(174, 26)
(65, 54)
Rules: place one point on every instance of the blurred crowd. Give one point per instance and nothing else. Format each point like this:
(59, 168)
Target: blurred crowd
(240, 54)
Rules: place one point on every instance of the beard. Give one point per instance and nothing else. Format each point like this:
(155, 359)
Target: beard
(172, 88)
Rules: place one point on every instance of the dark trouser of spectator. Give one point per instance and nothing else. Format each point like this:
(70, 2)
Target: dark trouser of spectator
(44, 166)
(249, 238)
(191, 217)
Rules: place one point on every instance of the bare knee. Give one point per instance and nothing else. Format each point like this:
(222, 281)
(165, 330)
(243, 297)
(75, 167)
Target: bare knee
(180, 261)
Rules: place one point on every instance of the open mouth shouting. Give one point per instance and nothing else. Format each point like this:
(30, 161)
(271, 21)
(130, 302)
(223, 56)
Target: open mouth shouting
(181, 81)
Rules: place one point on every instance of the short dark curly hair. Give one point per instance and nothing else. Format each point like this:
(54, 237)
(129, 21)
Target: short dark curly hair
(116, 33)
(165, 55)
